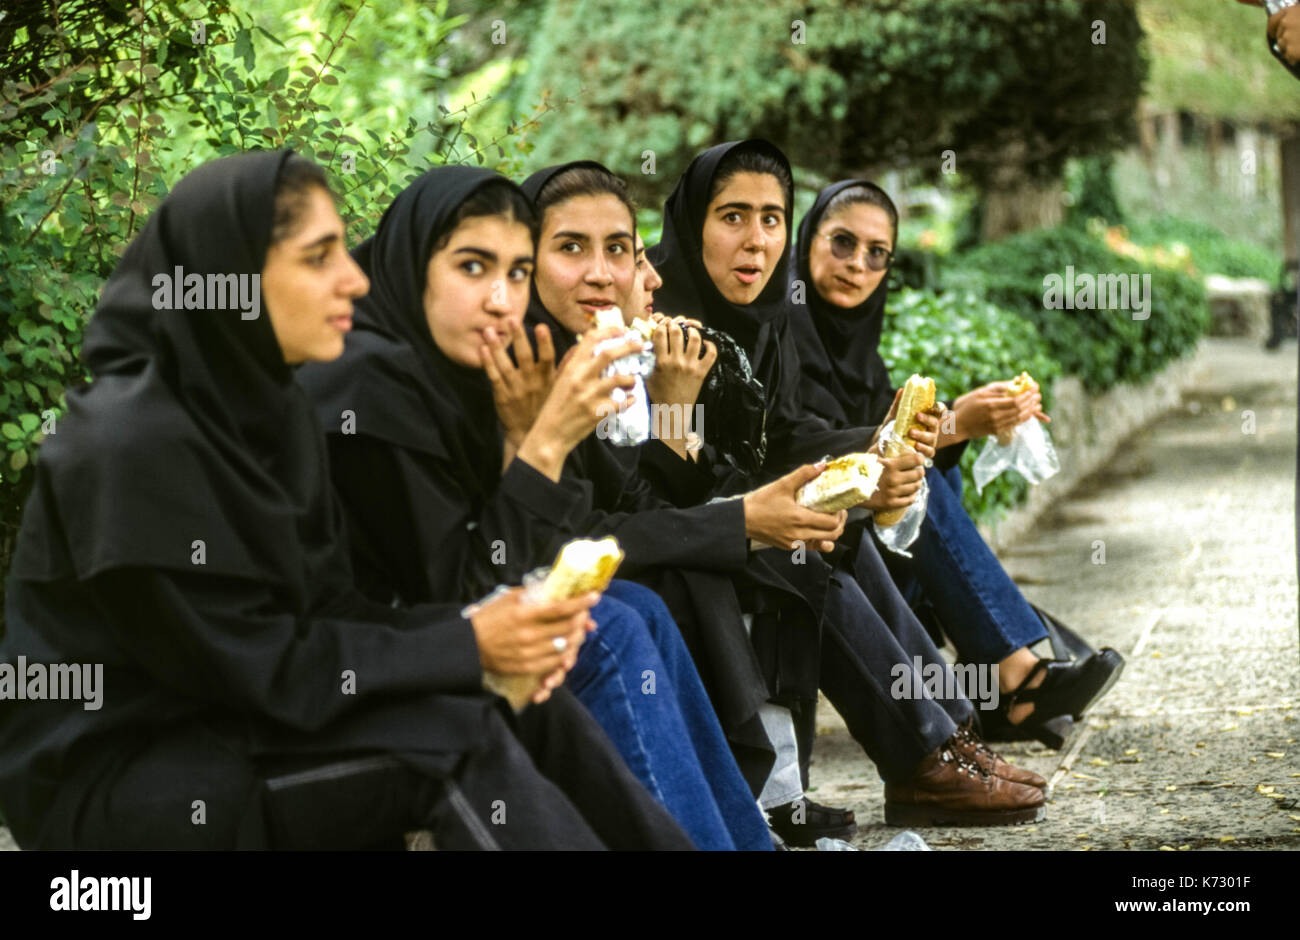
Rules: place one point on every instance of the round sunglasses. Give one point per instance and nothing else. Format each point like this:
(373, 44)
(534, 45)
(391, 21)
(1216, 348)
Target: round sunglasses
(845, 246)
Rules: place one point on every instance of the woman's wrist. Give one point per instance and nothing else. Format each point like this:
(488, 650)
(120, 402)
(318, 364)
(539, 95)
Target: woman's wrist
(543, 454)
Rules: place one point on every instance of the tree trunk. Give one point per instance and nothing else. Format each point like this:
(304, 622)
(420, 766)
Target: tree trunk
(1020, 207)
(1213, 144)
(1289, 146)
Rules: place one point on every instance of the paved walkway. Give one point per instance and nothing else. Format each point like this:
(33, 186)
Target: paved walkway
(1196, 746)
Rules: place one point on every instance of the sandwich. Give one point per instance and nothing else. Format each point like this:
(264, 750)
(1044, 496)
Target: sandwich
(846, 482)
(1021, 383)
(918, 397)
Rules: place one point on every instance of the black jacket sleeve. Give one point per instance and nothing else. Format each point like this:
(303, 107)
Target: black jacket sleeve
(228, 642)
(652, 531)
(417, 529)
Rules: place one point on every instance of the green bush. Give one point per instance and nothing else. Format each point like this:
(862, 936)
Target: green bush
(1212, 251)
(963, 342)
(1102, 347)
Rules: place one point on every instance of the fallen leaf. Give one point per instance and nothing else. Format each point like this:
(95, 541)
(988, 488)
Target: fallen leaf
(1183, 848)
(1164, 812)
(1172, 787)
(1167, 848)
(1227, 838)
(1276, 755)
(1263, 789)
(1099, 762)
(1130, 752)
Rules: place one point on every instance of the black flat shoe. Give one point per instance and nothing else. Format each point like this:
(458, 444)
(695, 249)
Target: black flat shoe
(803, 822)
(1069, 687)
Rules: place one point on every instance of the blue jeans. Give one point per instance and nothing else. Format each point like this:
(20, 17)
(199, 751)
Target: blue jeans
(636, 677)
(982, 610)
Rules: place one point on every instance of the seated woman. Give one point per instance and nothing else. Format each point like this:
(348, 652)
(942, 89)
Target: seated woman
(587, 221)
(842, 257)
(448, 494)
(183, 534)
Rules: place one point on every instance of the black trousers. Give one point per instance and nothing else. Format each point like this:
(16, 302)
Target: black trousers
(552, 781)
(869, 636)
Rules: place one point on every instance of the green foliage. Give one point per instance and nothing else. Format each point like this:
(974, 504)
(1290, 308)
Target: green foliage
(1102, 347)
(104, 106)
(874, 82)
(1092, 187)
(1212, 252)
(963, 342)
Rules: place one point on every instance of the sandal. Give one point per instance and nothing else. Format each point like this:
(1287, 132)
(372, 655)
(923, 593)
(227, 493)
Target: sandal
(803, 822)
(1069, 688)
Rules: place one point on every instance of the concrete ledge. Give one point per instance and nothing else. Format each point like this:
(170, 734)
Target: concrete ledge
(1087, 430)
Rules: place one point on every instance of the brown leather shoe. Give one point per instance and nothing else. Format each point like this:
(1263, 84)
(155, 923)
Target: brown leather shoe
(950, 789)
(973, 746)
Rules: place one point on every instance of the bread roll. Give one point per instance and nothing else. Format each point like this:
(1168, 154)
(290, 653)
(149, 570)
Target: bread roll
(846, 482)
(918, 396)
(1019, 384)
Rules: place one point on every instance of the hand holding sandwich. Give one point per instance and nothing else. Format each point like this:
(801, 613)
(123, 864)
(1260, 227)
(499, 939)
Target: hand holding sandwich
(988, 410)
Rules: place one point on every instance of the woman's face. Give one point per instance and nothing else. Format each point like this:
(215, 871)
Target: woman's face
(476, 283)
(744, 235)
(585, 259)
(644, 284)
(309, 282)
(849, 282)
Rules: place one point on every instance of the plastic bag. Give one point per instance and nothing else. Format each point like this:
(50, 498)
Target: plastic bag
(734, 405)
(899, 536)
(628, 425)
(1030, 454)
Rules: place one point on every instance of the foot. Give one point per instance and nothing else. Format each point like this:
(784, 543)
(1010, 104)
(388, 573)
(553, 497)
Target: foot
(989, 761)
(950, 789)
(803, 822)
(1059, 687)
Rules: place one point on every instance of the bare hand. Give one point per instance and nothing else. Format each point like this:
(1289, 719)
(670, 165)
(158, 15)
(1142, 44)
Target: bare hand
(519, 391)
(988, 410)
(1284, 30)
(900, 481)
(774, 517)
(579, 400)
(681, 363)
(518, 639)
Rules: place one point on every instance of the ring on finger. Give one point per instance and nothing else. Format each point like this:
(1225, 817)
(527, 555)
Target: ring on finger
(560, 644)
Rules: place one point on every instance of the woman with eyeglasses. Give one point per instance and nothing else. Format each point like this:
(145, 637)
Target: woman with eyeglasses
(842, 260)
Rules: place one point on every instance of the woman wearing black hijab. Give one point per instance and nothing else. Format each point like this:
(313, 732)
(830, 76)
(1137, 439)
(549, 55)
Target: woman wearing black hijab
(183, 535)
(840, 286)
(723, 258)
(445, 500)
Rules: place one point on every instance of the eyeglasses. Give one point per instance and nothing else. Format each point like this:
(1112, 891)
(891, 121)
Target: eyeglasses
(845, 246)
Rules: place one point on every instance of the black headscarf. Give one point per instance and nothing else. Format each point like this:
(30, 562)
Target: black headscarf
(679, 257)
(193, 430)
(394, 380)
(562, 337)
(844, 377)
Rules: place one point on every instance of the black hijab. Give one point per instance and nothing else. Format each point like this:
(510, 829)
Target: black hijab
(688, 290)
(562, 337)
(193, 429)
(844, 377)
(395, 382)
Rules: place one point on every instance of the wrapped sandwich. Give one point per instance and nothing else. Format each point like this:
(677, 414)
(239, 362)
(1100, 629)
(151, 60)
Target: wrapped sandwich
(1020, 383)
(846, 482)
(918, 397)
(583, 565)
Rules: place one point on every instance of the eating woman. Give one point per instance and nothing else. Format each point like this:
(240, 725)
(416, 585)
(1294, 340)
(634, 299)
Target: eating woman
(842, 259)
